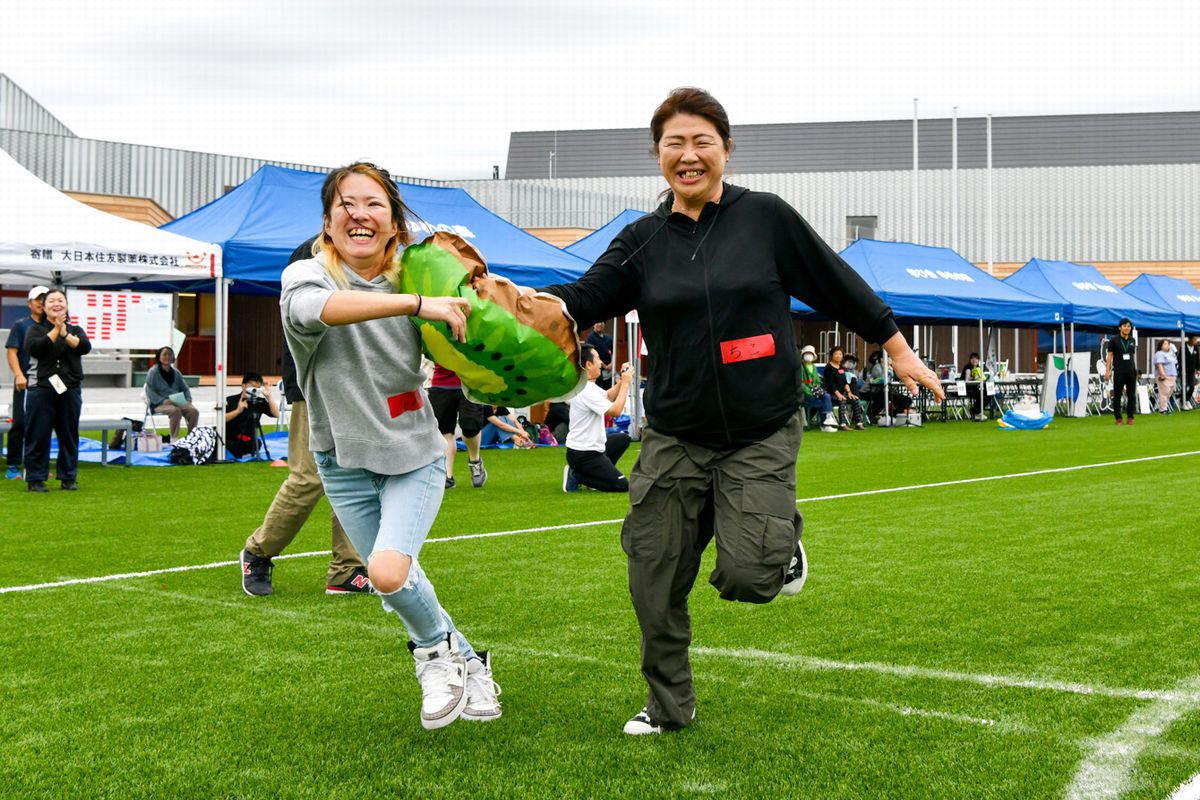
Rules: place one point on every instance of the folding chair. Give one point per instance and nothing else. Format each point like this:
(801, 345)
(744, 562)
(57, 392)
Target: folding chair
(148, 421)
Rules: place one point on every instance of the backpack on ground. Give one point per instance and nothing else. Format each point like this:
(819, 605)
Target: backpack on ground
(198, 447)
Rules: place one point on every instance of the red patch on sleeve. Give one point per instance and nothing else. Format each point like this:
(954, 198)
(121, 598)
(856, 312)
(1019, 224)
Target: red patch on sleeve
(405, 401)
(747, 349)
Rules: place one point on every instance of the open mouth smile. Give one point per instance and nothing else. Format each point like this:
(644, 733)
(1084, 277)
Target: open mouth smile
(361, 234)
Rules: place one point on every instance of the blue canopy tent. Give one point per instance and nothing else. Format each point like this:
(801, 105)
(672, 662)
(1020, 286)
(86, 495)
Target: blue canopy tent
(260, 223)
(1164, 291)
(936, 285)
(1090, 300)
(592, 246)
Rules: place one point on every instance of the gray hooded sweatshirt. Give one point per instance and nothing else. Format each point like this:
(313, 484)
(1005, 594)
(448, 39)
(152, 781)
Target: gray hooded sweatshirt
(362, 381)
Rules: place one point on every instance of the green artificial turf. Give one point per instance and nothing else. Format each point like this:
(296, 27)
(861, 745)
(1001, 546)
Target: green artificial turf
(872, 683)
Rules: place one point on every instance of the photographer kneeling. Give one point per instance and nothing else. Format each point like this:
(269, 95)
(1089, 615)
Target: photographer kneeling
(242, 414)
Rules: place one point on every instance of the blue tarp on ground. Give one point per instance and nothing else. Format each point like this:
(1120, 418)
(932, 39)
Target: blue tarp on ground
(592, 246)
(261, 222)
(1163, 291)
(89, 451)
(1089, 299)
(936, 285)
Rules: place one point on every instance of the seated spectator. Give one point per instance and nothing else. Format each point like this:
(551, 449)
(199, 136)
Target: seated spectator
(558, 420)
(500, 428)
(812, 392)
(164, 386)
(972, 373)
(243, 415)
(592, 454)
(838, 387)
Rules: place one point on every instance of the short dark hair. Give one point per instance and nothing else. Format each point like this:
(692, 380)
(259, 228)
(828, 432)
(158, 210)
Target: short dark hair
(837, 348)
(586, 351)
(1124, 321)
(248, 377)
(698, 103)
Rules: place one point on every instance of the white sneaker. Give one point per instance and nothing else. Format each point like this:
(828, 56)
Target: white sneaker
(482, 689)
(442, 673)
(797, 572)
(642, 725)
(830, 421)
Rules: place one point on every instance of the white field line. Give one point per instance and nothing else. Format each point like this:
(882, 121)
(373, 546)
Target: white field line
(815, 664)
(1189, 790)
(1106, 771)
(594, 523)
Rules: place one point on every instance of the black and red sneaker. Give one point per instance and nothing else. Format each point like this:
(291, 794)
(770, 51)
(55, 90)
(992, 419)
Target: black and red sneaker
(357, 583)
(256, 574)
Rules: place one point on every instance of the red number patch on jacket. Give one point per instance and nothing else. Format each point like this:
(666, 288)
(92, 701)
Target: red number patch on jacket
(405, 401)
(747, 349)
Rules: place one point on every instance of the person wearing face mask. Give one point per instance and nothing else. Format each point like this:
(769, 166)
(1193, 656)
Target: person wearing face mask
(710, 273)
(164, 386)
(372, 430)
(813, 394)
(54, 397)
(972, 373)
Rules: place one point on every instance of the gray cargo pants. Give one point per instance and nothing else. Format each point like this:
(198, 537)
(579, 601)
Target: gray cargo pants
(681, 495)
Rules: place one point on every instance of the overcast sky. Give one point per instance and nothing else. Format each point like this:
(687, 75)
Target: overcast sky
(433, 89)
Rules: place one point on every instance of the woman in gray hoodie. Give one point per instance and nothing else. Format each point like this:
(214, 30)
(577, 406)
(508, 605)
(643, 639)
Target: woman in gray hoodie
(372, 432)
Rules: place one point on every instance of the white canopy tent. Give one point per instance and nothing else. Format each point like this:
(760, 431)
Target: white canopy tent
(47, 237)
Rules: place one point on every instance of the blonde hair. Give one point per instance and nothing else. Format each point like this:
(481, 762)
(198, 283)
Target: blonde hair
(400, 212)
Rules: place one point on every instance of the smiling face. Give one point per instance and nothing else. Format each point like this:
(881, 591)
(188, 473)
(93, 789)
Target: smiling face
(1126, 328)
(360, 223)
(692, 156)
(56, 305)
(592, 366)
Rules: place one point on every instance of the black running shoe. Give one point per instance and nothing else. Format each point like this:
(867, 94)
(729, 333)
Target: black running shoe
(357, 583)
(256, 575)
(37, 486)
(69, 486)
(450, 484)
(797, 572)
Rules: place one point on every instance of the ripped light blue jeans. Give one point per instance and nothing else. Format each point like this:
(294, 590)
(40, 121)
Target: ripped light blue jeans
(395, 512)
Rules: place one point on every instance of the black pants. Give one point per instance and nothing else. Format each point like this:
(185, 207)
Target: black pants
(1126, 382)
(46, 412)
(599, 470)
(16, 434)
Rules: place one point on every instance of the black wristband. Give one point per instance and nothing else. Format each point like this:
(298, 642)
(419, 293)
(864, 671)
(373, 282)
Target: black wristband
(417, 313)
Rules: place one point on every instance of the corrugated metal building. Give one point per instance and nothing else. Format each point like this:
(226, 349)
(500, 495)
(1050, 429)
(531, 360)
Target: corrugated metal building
(1119, 189)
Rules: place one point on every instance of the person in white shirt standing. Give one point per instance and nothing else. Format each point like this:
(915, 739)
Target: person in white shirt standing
(592, 455)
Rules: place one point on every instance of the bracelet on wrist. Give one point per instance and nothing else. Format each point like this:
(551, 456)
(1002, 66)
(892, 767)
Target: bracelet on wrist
(417, 313)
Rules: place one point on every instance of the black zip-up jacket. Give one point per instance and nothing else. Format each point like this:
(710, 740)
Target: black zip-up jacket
(712, 297)
(49, 357)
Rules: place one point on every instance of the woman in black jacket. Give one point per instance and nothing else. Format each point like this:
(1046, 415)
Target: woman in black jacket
(838, 387)
(710, 273)
(54, 399)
